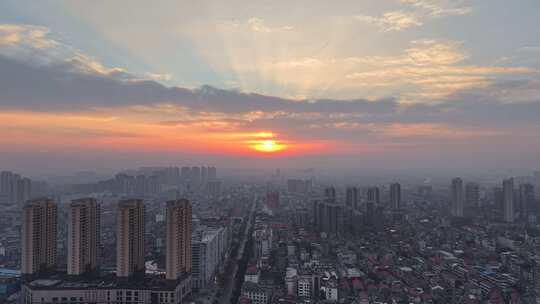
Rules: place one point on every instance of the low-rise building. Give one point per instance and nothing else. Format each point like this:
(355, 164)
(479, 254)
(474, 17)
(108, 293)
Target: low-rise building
(106, 289)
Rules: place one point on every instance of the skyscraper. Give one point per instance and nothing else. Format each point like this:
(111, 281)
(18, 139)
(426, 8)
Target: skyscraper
(395, 196)
(130, 238)
(537, 183)
(369, 215)
(14, 188)
(38, 234)
(178, 260)
(328, 217)
(352, 197)
(83, 236)
(457, 197)
(212, 173)
(373, 195)
(472, 194)
(330, 194)
(195, 178)
(5, 181)
(526, 200)
(272, 199)
(498, 199)
(508, 200)
(204, 175)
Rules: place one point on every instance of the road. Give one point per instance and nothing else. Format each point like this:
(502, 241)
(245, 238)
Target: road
(227, 290)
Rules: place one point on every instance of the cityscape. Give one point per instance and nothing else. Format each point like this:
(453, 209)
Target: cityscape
(270, 152)
(193, 236)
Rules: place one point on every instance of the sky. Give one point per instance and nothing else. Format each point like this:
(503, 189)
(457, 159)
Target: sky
(367, 84)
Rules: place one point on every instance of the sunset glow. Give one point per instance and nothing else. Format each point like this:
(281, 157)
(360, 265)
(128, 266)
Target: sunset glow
(234, 80)
(269, 146)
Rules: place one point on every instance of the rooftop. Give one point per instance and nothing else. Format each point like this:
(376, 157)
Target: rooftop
(104, 281)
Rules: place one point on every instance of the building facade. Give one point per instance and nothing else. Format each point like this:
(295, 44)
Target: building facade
(178, 261)
(83, 236)
(395, 196)
(508, 200)
(130, 238)
(352, 198)
(39, 231)
(457, 197)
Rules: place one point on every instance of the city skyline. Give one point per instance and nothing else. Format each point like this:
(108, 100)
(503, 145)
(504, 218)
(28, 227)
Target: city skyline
(138, 237)
(390, 85)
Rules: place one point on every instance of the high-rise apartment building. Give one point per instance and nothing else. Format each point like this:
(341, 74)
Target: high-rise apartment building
(457, 197)
(526, 200)
(369, 214)
(330, 194)
(208, 253)
(508, 200)
(352, 198)
(498, 199)
(195, 181)
(5, 181)
(373, 195)
(395, 196)
(328, 217)
(130, 238)
(213, 187)
(40, 214)
(204, 175)
(537, 183)
(83, 236)
(38, 233)
(14, 188)
(212, 173)
(178, 260)
(273, 199)
(472, 194)
(299, 185)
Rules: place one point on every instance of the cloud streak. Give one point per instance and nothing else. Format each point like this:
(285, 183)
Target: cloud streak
(392, 21)
(424, 10)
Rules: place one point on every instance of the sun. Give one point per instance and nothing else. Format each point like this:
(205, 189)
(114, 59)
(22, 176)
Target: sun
(268, 145)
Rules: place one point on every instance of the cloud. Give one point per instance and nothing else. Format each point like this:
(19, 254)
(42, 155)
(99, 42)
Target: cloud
(258, 25)
(392, 21)
(440, 8)
(76, 82)
(62, 87)
(426, 71)
(159, 77)
(13, 35)
(466, 101)
(424, 10)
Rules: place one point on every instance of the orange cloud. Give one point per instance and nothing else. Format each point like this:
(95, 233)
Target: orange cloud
(441, 131)
(96, 132)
